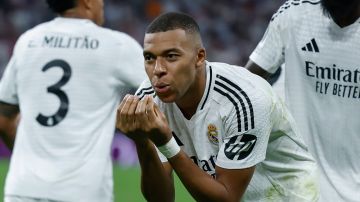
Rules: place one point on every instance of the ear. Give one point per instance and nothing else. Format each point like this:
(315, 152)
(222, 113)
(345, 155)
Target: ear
(201, 57)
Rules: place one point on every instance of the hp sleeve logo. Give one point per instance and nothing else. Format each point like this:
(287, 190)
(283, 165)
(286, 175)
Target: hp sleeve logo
(240, 146)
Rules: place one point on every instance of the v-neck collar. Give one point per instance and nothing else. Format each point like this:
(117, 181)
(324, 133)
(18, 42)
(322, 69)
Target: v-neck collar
(204, 99)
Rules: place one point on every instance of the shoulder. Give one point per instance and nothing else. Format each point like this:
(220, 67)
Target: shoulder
(236, 77)
(241, 95)
(117, 36)
(295, 9)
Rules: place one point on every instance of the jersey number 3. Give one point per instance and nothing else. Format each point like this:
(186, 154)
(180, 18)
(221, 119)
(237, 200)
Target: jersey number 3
(55, 119)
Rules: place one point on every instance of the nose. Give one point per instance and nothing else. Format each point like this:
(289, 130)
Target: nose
(160, 67)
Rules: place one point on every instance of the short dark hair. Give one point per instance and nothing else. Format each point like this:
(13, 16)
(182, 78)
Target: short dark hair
(60, 6)
(171, 21)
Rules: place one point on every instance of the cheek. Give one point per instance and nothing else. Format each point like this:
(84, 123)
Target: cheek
(185, 77)
(149, 70)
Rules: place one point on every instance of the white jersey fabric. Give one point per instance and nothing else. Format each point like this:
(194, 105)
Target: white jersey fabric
(67, 76)
(239, 123)
(322, 89)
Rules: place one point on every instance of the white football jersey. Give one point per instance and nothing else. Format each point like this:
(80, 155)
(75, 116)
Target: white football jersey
(67, 76)
(322, 87)
(239, 123)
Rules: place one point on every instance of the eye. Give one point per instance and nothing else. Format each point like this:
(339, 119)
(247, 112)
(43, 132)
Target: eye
(149, 57)
(172, 56)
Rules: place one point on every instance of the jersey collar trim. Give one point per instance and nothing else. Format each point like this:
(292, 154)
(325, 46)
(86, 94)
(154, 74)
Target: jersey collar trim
(209, 78)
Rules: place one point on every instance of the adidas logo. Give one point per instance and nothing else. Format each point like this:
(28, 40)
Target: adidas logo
(311, 46)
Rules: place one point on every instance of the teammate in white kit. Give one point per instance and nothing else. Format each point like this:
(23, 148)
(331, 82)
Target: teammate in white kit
(235, 134)
(65, 78)
(319, 42)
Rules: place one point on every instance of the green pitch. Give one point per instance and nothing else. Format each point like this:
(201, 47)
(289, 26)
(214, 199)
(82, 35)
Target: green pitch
(126, 182)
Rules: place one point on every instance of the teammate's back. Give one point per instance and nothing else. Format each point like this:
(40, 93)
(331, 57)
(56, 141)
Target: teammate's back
(66, 76)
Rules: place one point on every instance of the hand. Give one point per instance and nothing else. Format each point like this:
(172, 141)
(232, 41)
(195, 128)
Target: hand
(142, 119)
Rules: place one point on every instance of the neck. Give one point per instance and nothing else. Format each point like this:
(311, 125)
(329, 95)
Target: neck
(75, 13)
(189, 103)
(344, 15)
(346, 20)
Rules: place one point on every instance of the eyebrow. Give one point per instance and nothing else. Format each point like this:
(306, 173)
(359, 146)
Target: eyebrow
(163, 52)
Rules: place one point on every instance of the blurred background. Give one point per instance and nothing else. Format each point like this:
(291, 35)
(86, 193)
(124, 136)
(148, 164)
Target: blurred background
(230, 29)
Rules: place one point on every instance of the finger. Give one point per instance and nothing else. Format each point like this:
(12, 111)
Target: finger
(157, 110)
(123, 102)
(150, 108)
(132, 116)
(141, 110)
(125, 112)
(159, 113)
(132, 107)
(119, 118)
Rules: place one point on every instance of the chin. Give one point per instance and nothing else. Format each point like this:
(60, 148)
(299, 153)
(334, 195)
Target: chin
(167, 98)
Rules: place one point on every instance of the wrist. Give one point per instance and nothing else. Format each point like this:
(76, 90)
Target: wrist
(170, 149)
(143, 142)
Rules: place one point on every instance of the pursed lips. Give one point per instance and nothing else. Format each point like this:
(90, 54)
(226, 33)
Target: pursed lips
(161, 87)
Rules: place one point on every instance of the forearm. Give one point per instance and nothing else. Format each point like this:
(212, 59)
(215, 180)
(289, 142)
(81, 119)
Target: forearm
(201, 186)
(156, 182)
(8, 131)
(9, 118)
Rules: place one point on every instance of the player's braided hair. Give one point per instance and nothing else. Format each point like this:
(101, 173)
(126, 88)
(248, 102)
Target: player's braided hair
(60, 6)
(171, 21)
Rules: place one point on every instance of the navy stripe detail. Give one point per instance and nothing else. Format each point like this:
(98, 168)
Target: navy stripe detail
(144, 89)
(209, 87)
(234, 103)
(245, 96)
(246, 125)
(287, 5)
(178, 141)
(310, 2)
(146, 93)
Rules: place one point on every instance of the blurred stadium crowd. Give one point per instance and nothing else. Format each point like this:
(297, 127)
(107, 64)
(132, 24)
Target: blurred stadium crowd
(230, 28)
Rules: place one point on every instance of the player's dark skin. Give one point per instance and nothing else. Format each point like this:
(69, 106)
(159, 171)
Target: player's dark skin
(343, 12)
(9, 117)
(174, 60)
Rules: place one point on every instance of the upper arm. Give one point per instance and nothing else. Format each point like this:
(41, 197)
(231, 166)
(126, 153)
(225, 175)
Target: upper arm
(9, 117)
(234, 180)
(256, 69)
(245, 140)
(9, 111)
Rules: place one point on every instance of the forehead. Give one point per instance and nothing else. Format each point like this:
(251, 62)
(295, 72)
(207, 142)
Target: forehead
(166, 40)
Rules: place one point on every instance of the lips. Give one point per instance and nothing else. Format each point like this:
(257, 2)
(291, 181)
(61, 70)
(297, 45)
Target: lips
(161, 88)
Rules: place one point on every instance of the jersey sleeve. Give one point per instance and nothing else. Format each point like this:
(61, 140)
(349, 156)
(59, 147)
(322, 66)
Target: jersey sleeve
(8, 86)
(269, 53)
(245, 147)
(132, 67)
(145, 89)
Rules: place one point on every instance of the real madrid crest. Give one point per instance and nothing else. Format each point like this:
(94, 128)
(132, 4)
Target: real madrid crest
(213, 134)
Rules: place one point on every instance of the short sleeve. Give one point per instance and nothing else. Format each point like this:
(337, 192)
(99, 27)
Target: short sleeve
(242, 146)
(132, 67)
(269, 53)
(8, 86)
